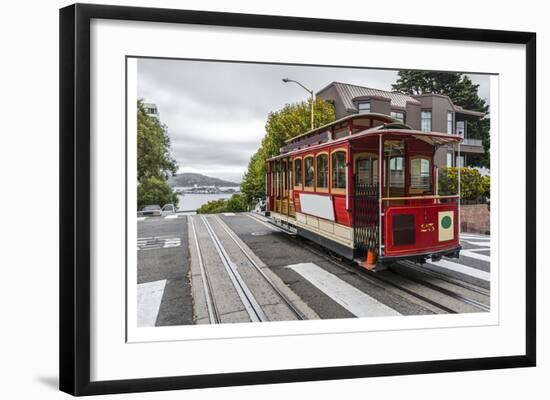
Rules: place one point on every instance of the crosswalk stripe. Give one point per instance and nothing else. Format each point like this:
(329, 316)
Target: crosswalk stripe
(463, 269)
(349, 297)
(478, 242)
(141, 218)
(474, 236)
(172, 216)
(149, 299)
(480, 249)
(477, 256)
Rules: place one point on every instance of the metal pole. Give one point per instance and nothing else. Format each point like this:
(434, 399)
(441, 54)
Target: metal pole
(312, 102)
(380, 188)
(459, 199)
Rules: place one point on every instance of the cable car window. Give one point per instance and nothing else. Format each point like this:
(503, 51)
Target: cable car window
(339, 170)
(367, 170)
(309, 171)
(276, 186)
(298, 172)
(421, 177)
(322, 171)
(397, 174)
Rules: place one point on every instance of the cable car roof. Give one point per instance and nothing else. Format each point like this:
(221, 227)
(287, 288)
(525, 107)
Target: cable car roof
(393, 128)
(375, 116)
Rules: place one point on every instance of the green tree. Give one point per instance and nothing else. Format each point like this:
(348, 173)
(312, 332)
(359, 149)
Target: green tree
(290, 121)
(462, 91)
(153, 147)
(155, 190)
(154, 161)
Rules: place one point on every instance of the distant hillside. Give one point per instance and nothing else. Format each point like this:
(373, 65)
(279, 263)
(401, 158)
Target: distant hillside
(191, 179)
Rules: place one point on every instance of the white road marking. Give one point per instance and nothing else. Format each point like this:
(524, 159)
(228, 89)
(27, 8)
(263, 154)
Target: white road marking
(141, 218)
(463, 269)
(471, 254)
(159, 242)
(264, 223)
(480, 249)
(478, 243)
(175, 242)
(149, 299)
(349, 297)
(229, 214)
(474, 236)
(171, 216)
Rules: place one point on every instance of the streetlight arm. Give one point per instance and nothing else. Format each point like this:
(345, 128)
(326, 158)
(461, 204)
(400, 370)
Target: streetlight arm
(286, 80)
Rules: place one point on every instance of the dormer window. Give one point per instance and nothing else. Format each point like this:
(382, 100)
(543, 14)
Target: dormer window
(363, 107)
(398, 115)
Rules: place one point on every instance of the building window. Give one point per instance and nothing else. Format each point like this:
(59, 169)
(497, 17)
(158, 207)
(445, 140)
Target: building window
(338, 165)
(450, 122)
(460, 161)
(309, 171)
(461, 128)
(398, 115)
(449, 159)
(322, 171)
(426, 121)
(363, 107)
(421, 174)
(298, 172)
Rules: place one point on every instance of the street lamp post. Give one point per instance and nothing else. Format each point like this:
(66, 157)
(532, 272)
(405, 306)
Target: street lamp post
(286, 80)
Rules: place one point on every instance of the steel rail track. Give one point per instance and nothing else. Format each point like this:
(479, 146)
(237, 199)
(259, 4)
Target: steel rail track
(253, 308)
(445, 278)
(363, 273)
(299, 315)
(445, 291)
(213, 313)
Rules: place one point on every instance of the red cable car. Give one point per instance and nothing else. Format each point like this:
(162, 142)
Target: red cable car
(329, 186)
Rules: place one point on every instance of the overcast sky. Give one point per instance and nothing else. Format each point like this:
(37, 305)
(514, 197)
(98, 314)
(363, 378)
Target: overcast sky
(216, 111)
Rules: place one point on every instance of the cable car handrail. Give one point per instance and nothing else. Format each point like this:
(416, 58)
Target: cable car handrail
(453, 196)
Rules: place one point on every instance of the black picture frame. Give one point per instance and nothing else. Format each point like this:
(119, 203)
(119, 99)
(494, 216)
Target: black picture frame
(75, 194)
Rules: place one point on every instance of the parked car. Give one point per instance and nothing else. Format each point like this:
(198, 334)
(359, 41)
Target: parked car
(168, 209)
(151, 210)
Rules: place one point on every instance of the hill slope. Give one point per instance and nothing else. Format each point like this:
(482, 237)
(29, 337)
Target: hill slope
(192, 179)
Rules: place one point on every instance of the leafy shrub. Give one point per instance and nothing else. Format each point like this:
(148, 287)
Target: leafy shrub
(236, 203)
(474, 187)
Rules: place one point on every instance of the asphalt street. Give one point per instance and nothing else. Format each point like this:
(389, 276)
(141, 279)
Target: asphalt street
(174, 279)
(163, 265)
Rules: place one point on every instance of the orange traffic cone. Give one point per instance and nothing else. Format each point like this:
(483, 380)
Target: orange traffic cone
(370, 261)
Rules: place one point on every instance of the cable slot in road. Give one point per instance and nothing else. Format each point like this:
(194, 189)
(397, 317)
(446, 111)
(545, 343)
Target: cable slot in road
(250, 303)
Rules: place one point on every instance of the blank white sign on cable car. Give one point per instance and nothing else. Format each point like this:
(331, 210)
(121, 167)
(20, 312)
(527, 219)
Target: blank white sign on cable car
(317, 205)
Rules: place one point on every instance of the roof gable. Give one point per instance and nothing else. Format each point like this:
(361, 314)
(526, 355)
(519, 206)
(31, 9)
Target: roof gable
(348, 92)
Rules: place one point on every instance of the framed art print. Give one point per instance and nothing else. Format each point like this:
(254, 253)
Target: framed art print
(251, 199)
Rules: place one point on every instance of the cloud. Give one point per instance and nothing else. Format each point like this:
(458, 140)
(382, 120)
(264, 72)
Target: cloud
(216, 111)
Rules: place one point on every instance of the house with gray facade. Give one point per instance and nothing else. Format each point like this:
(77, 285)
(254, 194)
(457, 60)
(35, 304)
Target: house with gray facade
(426, 112)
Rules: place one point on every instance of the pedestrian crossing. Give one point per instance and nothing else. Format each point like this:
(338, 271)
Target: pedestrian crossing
(149, 300)
(352, 299)
(483, 245)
